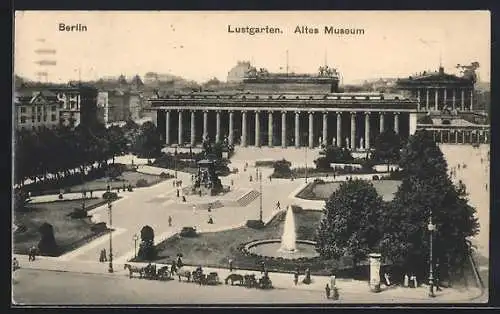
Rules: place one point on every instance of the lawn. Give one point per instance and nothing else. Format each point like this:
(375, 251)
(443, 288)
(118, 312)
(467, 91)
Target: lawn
(214, 249)
(322, 191)
(69, 233)
(127, 177)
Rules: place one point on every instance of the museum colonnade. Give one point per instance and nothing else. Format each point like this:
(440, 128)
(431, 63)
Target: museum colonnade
(436, 98)
(282, 127)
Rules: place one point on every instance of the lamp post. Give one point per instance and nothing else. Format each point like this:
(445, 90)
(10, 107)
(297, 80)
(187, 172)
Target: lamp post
(110, 207)
(135, 238)
(260, 204)
(431, 227)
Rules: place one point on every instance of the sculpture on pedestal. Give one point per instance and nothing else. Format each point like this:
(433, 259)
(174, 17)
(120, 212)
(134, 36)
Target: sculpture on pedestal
(361, 144)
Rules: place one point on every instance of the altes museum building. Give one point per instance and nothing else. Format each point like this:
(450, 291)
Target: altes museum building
(258, 108)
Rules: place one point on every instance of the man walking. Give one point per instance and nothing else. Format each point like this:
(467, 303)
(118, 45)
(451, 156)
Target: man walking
(230, 265)
(170, 221)
(327, 290)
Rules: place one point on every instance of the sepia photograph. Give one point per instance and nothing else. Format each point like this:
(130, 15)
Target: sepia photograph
(244, 158)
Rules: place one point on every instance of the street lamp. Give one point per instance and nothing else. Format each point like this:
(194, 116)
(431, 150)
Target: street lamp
(431, 227)
(110, 207)
(260, 188)
(135, 238)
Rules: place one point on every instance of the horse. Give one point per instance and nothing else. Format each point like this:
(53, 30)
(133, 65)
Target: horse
(184, 273)
(163, 273)
(233, 278)
(134, 269)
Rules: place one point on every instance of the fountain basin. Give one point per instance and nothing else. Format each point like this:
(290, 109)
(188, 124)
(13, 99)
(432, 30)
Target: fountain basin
(272, 248)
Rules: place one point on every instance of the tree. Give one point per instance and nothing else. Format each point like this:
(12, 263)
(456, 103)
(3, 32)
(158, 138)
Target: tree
(387, 147)
(350, 223)
(137, 81)
(117, 141)
(147, 249)
(335, 154)
(427, 187)
(148, 143)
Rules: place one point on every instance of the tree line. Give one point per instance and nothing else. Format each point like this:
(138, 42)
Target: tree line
(356, 220)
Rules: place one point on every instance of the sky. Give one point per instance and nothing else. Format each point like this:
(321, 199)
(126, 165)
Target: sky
(198, 46)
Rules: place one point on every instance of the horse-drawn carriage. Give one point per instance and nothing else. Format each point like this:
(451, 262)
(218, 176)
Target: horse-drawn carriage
(149, 272)
(250, 281)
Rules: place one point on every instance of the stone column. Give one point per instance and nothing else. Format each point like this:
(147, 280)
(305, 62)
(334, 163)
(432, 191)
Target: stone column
(444, 97)
(449, 136)
(462, 99)
(217, 127)
(353, 131)
(436, 99)
(454, 98)
(167, 127)
(244, 128)
(396, 122)
(427, 98)
(179, 140)
(339, 129)
(374, 259)
(413, 123)
(367, 130)
(311, 130)
(456, 137)
(231, 127)
(471, 99)
(283, 129)
(193, 129)
(441, 136)
(297, 130)
(325, 128)
(205, 124)
(270, 129)
(381, 119)
(257, 129)
(418, 99)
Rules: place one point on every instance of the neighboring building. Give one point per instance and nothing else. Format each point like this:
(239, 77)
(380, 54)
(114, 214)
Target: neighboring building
(52, 106)
(35, 109)
(103, 107)
(436, 91)
(238, 72)
(124, 105)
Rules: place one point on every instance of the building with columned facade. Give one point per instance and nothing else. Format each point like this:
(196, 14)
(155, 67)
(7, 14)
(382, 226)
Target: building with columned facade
(292, 110)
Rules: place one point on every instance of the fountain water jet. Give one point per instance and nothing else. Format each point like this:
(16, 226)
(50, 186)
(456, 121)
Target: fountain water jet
(289, 237)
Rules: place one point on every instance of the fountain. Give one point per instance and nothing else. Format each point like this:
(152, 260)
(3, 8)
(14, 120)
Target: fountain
(288, 247)
(289, 237)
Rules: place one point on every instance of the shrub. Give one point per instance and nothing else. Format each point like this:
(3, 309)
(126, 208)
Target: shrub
(322, 163)
(98, 227)
(255, 224)
(188, 232)
(115, 170)
(47, 244)
(110, 196)
(297, 209)
(264, 163)
(147, 234)
(141, 183)
(165, 175)
(147, 251)
(319, 181)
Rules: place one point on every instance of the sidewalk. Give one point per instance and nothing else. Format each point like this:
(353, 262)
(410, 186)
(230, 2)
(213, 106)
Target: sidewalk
(356, 290)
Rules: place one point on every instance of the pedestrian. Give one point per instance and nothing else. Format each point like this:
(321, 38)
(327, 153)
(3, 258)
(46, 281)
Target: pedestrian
(178, 193)
(100, 257)
(278, 205)
(406, 281)
(210, 220)
(179, 261)
(32, 253)
(387, 279)
(327, 291)
(260, 176)
(173, 183)
(413, 281)
(232, 182)
(270, 178)
(437, 276)
(486, 186)
(105, 257)
(250, 178)
(230, 265)
(296, 277)
(170, 221)
(333, 283)
(184, 198)
(262, 267)
(15, 264)
(209, 209)
(91, 193)
(194, 209)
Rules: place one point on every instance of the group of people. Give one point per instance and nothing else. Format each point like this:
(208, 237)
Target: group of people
(102, 256)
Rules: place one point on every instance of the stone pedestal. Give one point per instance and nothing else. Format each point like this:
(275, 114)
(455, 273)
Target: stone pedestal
(375, 271)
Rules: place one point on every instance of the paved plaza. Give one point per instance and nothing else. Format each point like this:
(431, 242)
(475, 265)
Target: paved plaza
(153, 205)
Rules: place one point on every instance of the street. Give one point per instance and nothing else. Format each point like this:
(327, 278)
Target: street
(42, 287)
